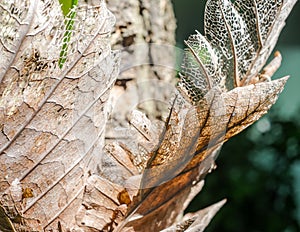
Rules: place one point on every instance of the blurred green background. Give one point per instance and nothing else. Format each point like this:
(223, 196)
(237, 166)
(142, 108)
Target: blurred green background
(259, 169)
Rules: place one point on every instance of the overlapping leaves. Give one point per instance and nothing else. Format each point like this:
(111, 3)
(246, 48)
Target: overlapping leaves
(52, 117)
(225, 91)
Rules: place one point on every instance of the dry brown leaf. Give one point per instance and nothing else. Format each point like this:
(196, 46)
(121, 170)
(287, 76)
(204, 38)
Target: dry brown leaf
(52, 119)
(218, 102)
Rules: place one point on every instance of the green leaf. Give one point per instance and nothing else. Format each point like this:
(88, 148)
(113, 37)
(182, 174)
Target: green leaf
(66, 5)
(69, 13)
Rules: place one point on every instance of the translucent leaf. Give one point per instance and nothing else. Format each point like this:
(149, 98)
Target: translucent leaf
(199, 65)
(189, 148)
(245, 33)
(223, 93)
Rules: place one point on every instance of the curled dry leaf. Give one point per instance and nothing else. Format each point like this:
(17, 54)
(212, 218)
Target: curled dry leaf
(223, 93)
(52, 116)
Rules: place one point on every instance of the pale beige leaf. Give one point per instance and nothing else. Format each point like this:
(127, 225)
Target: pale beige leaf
(52, 119)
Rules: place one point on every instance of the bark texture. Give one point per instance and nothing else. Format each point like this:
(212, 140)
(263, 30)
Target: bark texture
(144, 84)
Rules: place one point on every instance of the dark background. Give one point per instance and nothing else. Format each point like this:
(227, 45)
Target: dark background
(258, 170)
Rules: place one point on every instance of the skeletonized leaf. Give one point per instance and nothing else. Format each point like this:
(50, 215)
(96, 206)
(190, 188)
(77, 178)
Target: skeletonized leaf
(270, 20)
(200, 64)
(217, 104)
(242, 107)
(246, 33)
(173, 171)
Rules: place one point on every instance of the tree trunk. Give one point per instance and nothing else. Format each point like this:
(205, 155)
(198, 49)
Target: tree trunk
(143, 28)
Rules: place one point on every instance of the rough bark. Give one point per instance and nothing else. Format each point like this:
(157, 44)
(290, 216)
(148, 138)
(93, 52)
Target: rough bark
(144, 84)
